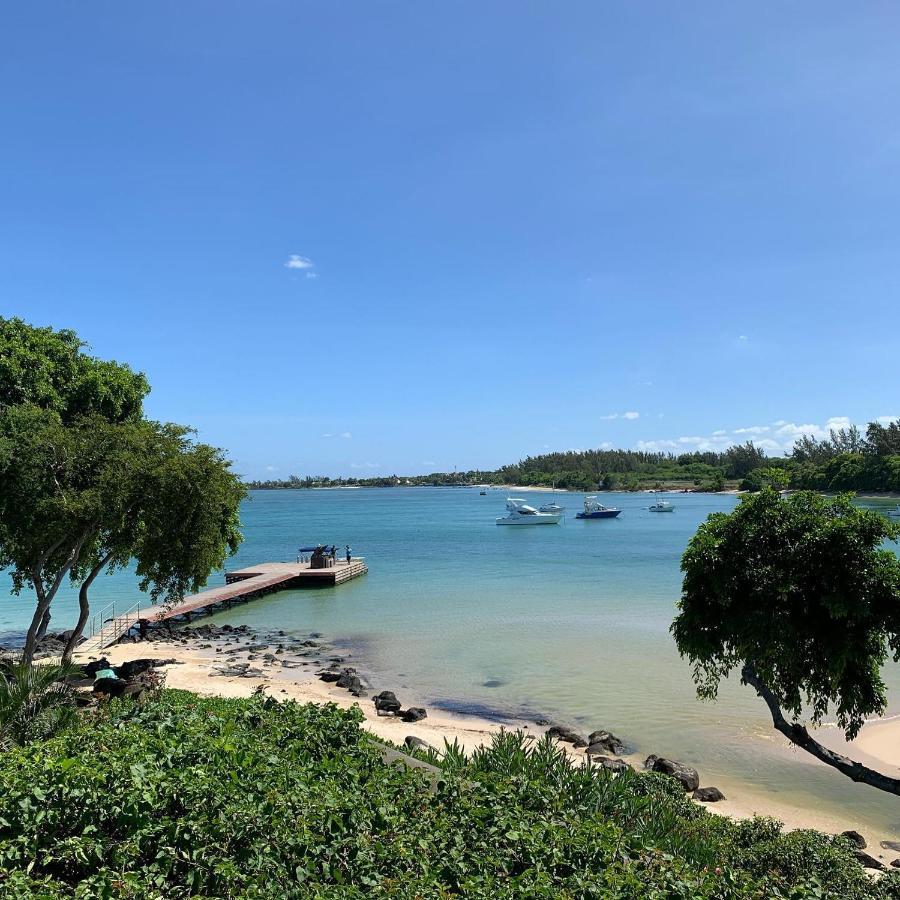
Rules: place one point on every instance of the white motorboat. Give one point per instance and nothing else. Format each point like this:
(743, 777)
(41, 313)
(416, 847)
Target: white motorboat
(552, 508)
(661, 506)
(518, 512)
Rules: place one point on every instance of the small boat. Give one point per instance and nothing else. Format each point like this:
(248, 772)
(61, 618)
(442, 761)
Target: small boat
(596, 510)
(552, 508)
(520, 513)
(482, 493)
(661, 506)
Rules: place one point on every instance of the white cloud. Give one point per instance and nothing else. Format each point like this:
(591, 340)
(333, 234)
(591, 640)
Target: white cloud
(743, 338)
(886, 420)
(298, 262)
(610, 416)
(631, 415)
(606, 445)
(271, 468)
(343, 434)
(779, 437)
(365, 465)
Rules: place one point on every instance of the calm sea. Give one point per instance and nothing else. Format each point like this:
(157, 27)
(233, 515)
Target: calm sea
(569, 622)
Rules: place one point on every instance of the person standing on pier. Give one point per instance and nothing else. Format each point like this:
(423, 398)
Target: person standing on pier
(347, 549)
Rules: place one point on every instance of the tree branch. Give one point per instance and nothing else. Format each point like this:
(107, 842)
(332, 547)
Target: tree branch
(797, 734)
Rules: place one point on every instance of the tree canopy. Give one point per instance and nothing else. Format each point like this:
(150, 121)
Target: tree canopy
(800, 595)
(87, 483)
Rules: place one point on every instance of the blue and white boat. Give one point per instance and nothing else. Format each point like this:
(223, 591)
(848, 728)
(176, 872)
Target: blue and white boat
(593, 509)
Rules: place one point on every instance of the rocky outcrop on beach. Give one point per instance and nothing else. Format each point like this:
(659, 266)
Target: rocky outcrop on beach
(708, 795)
(567, 735)
(855, 838)
(415, 743)
(610, 763)
(386, 703)
(688, 777)
(604, 742)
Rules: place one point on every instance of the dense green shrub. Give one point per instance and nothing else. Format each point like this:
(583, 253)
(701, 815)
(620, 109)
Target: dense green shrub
(189, 797)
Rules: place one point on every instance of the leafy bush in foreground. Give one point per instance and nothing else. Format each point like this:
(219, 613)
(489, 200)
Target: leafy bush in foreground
(189, 797)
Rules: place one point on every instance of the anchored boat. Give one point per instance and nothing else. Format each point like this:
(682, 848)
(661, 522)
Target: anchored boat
(593, 509)
(518, 512)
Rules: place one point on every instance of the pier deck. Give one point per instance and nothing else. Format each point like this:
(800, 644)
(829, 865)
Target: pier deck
(240, 586)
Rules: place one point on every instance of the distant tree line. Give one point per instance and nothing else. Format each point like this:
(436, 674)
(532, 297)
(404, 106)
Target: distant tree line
(845, 460)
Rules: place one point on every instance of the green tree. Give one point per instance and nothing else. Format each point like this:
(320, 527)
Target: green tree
(801, 596)
(87, 483)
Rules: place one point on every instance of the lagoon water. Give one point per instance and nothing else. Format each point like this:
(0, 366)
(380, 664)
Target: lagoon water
(566, 622)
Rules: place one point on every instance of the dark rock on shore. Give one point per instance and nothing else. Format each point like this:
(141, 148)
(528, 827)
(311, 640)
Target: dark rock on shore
(329, 674)
(413, 714)
(611, 764)
(414, 743)
(708, 795)
(386, 703)
(689, 777)
(345, 678)
(605, 742)
(133, 667)
(869, 862)
(855, 838)
(890, 845)
(94, 666)
(568, 735)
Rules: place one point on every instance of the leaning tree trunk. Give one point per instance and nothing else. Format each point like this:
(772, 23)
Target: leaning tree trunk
(84, 608)
(797, 734)
(45, 595)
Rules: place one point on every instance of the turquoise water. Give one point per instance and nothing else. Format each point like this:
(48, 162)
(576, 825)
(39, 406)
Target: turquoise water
(568, 622)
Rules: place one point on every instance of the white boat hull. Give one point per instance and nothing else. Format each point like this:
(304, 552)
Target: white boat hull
(538, 519)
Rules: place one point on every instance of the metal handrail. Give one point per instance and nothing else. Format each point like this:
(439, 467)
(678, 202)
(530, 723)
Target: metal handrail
(107, 627)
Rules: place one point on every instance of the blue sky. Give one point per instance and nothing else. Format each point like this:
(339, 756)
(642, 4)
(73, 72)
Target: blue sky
(367, 238)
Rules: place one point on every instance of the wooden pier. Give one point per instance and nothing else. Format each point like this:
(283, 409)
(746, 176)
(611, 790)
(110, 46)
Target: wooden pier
(240, 586)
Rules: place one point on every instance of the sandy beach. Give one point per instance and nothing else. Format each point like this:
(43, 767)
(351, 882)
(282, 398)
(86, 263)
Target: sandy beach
(198, 667)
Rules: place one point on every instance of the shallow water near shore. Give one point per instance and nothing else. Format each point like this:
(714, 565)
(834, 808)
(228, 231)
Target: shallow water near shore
(567, 622)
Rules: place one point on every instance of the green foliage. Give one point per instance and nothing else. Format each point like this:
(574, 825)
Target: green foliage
(187, 797)
(86, 482)
(35, 702)
(803, 590)
(47, 368)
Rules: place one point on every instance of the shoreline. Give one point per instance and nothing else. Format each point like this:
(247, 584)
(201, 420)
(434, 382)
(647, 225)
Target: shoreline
(236, 662)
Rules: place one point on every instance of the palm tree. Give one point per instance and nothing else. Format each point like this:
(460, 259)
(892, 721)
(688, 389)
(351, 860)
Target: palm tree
(35, 701)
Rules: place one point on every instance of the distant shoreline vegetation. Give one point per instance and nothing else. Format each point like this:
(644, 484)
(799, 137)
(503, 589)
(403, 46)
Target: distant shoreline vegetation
(846, 460)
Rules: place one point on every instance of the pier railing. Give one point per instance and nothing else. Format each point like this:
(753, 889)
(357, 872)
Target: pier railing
(108, 626)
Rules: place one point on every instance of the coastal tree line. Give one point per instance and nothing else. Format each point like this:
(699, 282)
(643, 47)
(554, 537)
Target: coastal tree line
(847, 459)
